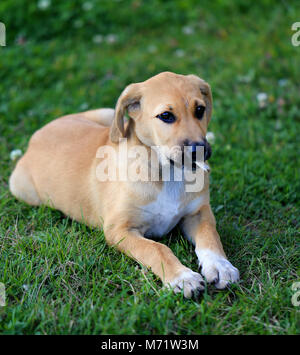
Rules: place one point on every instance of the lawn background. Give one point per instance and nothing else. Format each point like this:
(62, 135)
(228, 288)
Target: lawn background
(69, 56)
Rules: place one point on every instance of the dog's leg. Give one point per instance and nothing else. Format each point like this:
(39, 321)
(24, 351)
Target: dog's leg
(22, 186)
(159, 258)
(201, 230)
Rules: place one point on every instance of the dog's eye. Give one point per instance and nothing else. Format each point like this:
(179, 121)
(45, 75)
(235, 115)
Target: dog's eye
(167, 117)
(199, 112)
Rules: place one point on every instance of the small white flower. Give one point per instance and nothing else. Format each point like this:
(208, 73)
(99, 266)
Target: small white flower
(84, 106)
(188, 30)
(78, 23)
(43, 4)
(25, 287)
(282, 82)
(98, 39)
(179, 53)
(247, 78)
(87, 6)
(262, 96)
(16, 153)
(152, 48)
(278, 125)
(262, 99)
(210, 137)
(111, 38)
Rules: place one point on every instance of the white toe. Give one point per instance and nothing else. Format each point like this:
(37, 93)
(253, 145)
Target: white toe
(216, 268)
(189, 281)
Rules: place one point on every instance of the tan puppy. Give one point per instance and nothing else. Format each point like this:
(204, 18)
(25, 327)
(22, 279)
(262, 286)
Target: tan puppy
(59, 169)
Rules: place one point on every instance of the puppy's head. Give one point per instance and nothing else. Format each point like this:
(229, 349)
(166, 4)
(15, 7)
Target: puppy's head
(168, 110)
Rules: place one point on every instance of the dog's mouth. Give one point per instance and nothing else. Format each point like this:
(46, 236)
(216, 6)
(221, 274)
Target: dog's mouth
(195, 165)
(201, 163)
(188, 157)
(207, 152)
(190, 160)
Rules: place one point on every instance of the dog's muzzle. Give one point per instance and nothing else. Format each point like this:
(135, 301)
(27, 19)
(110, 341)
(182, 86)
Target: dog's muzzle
(194, 145)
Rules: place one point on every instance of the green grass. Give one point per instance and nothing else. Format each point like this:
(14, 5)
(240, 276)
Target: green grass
(60, 276)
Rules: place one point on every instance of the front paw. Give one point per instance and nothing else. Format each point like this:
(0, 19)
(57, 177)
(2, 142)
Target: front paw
(189, 281)
(216, 268)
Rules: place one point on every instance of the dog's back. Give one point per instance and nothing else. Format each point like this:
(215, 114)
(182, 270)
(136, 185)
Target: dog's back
(41, 177)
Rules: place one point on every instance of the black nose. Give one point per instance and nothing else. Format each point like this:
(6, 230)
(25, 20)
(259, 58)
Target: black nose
(194, 145)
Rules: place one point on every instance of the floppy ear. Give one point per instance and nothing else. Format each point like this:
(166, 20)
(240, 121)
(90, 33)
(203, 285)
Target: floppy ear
(129, 100)
(206, 92)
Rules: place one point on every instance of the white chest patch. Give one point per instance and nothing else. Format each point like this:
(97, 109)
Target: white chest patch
(162, 215)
